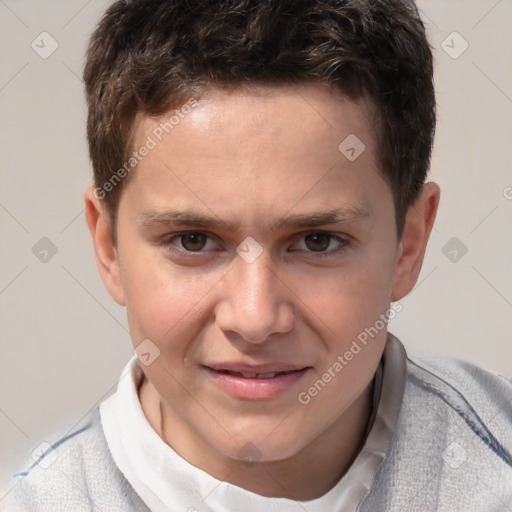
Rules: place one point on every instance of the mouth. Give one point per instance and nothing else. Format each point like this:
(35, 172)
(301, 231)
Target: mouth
(251, 384)
(267, 375)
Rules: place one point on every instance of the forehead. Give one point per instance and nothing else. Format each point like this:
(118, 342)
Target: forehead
(264, 111)
(254, 151)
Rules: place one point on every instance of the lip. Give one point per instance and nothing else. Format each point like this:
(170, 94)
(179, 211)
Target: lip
(255, 368)
(245, 388)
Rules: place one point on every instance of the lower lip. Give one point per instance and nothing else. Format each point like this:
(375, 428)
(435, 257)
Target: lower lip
(255, 389)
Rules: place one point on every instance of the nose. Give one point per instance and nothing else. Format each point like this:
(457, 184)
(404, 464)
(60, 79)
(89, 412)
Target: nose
(256, 303)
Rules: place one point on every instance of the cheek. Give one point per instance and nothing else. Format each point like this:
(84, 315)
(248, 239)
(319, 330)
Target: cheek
(163, 302)
(346, 311)
(349, 299)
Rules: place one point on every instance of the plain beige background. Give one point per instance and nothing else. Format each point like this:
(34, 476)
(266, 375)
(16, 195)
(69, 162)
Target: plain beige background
(64, 340)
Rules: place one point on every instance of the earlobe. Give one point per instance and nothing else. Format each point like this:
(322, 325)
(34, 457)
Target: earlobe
(105, 251)
(419, 221)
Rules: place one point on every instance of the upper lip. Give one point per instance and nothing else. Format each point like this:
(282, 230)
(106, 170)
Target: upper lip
(260, 368)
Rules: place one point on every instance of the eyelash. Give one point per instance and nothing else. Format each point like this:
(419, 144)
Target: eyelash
(167, 243)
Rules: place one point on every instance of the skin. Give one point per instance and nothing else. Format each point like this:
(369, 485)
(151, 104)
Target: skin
(253, 158)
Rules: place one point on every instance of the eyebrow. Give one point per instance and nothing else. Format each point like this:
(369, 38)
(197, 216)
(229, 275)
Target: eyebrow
(303, 220)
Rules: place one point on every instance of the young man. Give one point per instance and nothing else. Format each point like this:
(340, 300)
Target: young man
(260, 208)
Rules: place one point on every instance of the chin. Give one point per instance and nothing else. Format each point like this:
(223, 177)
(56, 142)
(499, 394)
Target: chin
(262, 448)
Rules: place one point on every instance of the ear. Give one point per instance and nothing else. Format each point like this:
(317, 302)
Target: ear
(104, 248)
(418, 225)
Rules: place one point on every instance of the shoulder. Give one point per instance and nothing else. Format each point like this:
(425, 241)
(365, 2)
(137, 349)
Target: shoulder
(452, 443)
(481, 397)
(473, 378)
(456, 434)
(75, 473)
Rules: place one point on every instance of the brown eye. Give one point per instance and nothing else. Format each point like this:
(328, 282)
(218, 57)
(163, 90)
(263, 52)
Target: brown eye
(193, 241)
(318, 242)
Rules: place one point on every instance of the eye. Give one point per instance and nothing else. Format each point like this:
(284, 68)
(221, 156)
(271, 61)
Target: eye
(322, 243)
(192, 241)
(318, 242)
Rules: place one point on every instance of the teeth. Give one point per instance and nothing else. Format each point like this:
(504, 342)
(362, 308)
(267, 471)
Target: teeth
(268, 375)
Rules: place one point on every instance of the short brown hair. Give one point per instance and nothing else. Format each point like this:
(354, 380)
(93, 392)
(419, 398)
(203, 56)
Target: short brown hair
(151, 56)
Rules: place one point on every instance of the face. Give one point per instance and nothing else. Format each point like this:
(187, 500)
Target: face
(248, 243)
